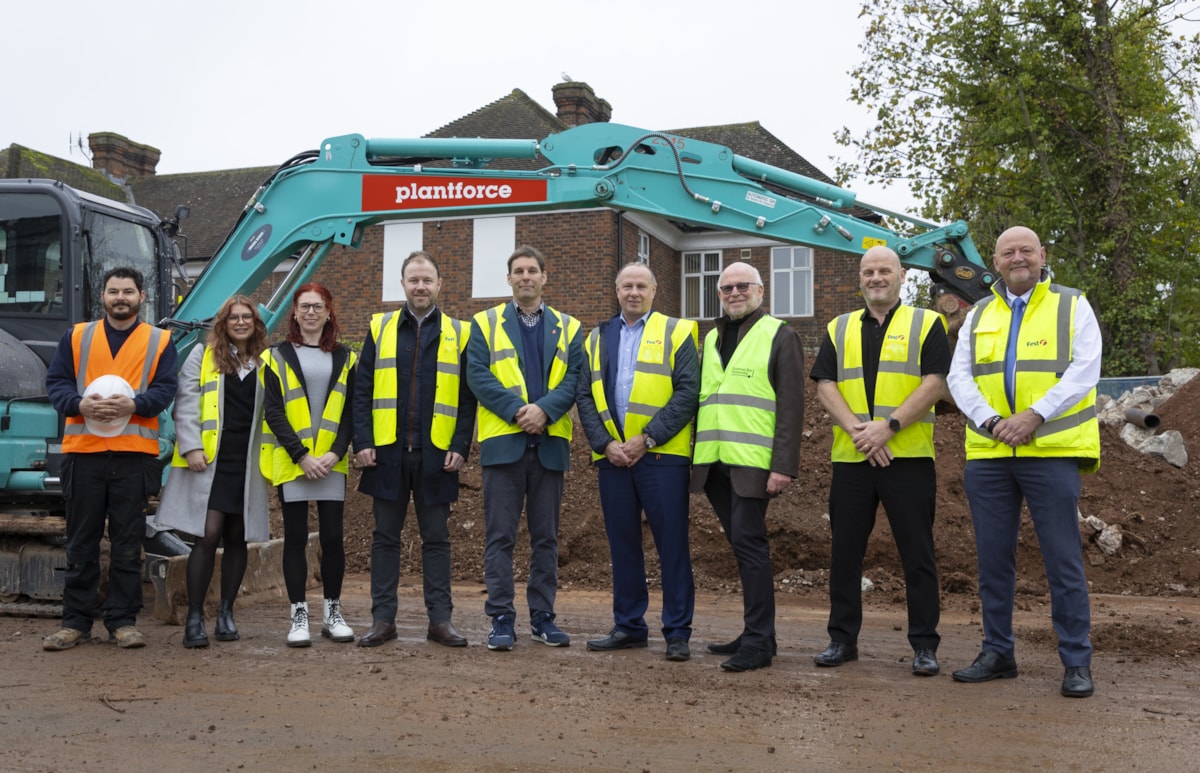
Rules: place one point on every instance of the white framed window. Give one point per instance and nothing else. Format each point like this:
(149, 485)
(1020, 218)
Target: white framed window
(495, 238)
(643, 254)
(701, 271)
(792, 281)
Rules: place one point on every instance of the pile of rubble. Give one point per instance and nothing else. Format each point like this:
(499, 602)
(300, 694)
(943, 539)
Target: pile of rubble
(1135, 413)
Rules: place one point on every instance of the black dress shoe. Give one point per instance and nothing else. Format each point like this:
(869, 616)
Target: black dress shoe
(1077, 682)
(836, 653)
(193, 631)
(617, 640)
(678, 650)
(748, 659)
(987, 666)
(731, 648)
(443, 633)
(925, 663)
(377, 634)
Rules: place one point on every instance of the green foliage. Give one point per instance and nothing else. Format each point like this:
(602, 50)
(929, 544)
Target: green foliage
(1073, 117)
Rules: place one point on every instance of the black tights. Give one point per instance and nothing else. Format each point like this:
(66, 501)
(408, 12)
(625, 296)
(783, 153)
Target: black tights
(295, 539)
(218, 527)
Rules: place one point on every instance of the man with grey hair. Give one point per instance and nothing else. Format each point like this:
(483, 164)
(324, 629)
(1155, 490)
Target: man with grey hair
(748, 444)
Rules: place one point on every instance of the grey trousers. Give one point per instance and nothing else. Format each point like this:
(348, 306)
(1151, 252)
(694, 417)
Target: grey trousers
(507, 489)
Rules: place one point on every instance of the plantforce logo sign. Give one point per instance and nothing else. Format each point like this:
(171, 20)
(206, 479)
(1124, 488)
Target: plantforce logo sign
(407, 192)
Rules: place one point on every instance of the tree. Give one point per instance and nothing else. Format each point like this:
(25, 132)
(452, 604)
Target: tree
(1073, 117)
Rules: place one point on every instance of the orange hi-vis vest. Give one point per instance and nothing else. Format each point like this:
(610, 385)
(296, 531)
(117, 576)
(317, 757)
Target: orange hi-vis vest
(136, 362)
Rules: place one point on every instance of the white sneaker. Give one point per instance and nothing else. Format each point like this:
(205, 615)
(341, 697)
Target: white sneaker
(335, 625)
(298, 636)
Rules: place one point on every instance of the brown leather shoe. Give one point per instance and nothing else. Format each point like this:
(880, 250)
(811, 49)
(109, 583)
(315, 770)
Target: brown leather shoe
(377, 634)
(444, 634)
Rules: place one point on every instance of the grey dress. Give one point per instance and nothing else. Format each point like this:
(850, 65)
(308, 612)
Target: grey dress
(317, 367)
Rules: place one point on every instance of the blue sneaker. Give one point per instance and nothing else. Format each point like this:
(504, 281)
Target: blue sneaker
(545, 631)
(502, 636)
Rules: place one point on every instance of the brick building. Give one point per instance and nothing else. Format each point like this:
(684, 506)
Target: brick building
(584, 248)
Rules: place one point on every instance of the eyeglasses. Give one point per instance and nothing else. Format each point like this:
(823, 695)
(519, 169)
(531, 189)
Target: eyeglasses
(241, 317)
(304, 308)
(741, 287)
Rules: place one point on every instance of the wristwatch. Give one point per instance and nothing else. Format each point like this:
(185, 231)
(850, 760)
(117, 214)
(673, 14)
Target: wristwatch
(649, 440)
(991, 423)
(894, 424)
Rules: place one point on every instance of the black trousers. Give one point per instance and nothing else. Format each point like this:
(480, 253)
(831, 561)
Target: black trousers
(744, 520)
(108, 486)
(907, 488)
(390, 515)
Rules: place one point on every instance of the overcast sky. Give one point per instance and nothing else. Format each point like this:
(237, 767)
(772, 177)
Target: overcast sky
(235, 83)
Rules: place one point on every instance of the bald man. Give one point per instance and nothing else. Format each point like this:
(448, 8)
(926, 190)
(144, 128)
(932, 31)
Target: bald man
(879, 372)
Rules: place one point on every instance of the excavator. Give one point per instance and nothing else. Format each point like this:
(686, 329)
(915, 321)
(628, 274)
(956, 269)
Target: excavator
(56, 243)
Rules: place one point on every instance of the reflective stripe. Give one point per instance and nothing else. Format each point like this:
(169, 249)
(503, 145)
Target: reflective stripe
(748, 401)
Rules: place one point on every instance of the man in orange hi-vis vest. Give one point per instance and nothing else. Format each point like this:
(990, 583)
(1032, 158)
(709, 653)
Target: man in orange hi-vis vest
(110, 379)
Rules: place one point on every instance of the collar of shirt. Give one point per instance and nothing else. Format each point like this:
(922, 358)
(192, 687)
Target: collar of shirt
(408, 313)
(866, 315)
(529, 319)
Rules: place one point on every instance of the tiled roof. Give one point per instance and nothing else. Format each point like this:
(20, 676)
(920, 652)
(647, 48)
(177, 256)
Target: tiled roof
(216, 200)
(19, 161)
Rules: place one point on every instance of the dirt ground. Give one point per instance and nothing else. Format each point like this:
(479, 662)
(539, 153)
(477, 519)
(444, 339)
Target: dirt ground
(413, 705)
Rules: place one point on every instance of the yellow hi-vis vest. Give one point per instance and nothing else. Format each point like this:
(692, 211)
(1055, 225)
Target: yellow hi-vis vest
(273, 458)
(1044, 351)
(652, 386)
(736, 421)
(899, 376)
(504, 366)
(210, 410)
(385, 386)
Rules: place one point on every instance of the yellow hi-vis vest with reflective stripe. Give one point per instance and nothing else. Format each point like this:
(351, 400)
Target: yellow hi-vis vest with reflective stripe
(652, 386)
(899, 376)
(273, 459)
(736, 421)
(503, 363)
(1044, 351)
(385, 386)
(210, 410)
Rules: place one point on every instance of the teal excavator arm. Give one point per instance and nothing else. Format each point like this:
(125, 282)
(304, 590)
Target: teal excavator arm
(328, 196)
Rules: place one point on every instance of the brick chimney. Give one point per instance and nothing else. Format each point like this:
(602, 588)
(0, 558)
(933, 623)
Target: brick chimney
(577, 104)
(121, 158)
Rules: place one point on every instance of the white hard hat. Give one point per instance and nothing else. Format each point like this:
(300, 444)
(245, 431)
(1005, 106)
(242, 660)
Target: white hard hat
(108, 386)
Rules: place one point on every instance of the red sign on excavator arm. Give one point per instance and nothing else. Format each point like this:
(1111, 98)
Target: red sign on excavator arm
(392, 192)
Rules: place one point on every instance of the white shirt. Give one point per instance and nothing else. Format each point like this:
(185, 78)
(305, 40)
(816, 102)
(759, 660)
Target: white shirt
(1079, 378)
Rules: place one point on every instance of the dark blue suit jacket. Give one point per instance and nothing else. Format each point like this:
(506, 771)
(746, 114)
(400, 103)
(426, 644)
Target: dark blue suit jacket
(554, 453)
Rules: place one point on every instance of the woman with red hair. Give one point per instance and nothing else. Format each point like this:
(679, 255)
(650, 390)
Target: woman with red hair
(307, 382)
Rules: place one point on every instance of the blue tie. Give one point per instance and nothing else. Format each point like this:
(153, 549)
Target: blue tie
(1010, 355)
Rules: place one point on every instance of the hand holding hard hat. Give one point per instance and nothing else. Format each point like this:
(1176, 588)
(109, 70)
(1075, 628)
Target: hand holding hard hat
(106, 419)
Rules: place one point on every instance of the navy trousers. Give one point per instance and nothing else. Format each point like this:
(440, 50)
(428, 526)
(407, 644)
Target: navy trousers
(661, 491)
(1050, 487)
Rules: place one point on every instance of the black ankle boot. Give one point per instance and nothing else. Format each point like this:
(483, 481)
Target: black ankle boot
(193, 629)
(226, 630)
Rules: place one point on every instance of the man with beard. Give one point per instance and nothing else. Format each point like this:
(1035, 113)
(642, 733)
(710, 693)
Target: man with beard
(110, 449)
(748, 444)
(413, 417)
(879, 372)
